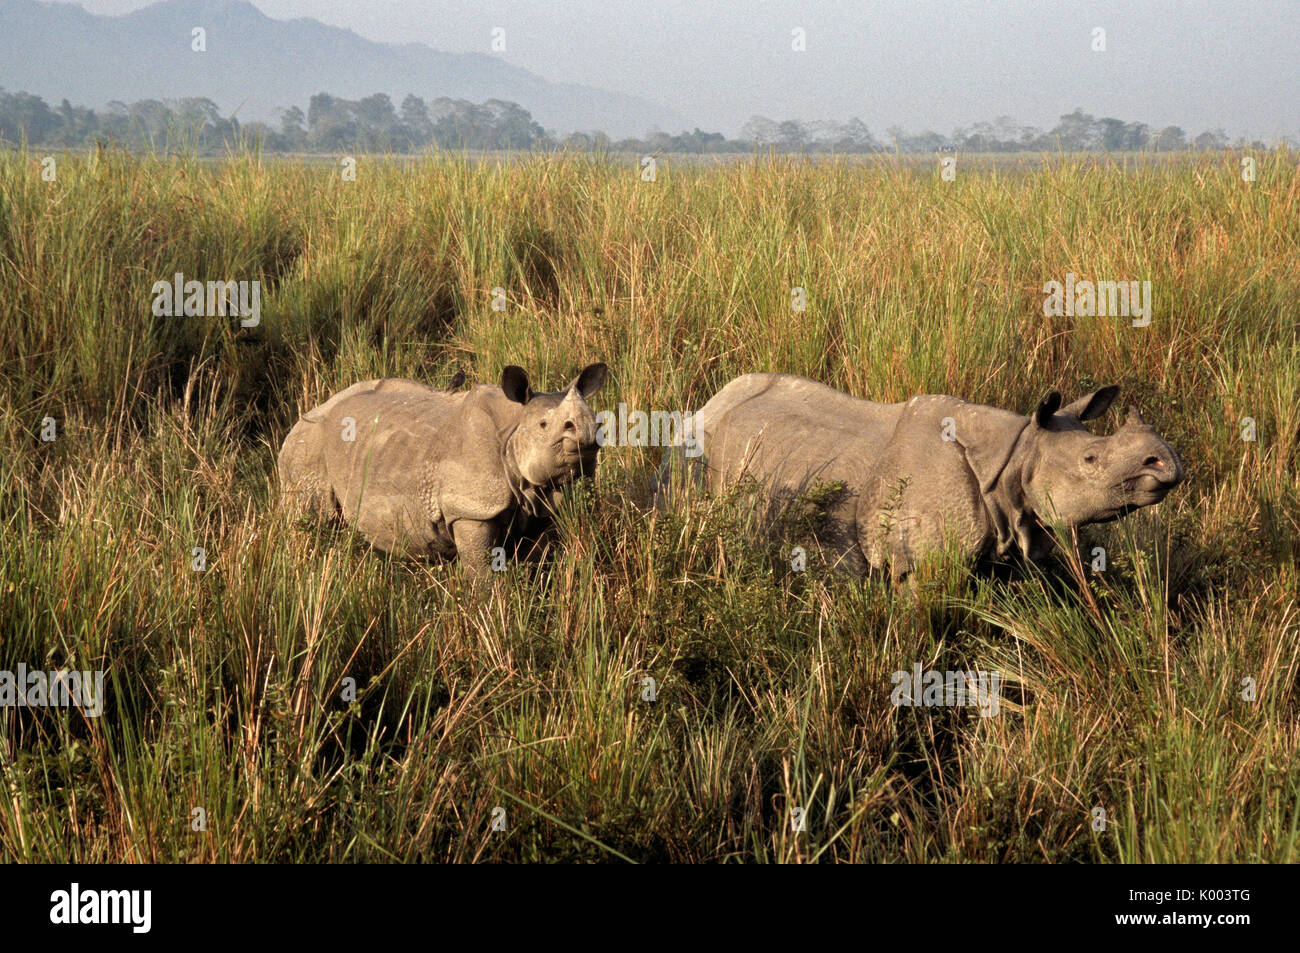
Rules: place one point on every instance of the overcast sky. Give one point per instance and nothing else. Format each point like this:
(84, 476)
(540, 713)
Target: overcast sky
(1199, 64)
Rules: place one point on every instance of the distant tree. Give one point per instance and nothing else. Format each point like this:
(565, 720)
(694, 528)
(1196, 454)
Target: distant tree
(320, 106)
(658, 141)
(511, 125)
(701, 141)
(330, 123)
(1170, 139)
(377, 123)
(926, 141)
(981, 137)
(77, 124)
(760, 130)
(291, 126)
(372, 123)
(149, 122)
(415, 117)
(578, 141)
(1077, 131)
(1008, 133)
(1033, 139)
(1217, 139)
(264, 137)
(855, 136)
(1113, 134)
(198, 123)
(791, 134)
(455, 127)
(1137, 136)
(23, 115)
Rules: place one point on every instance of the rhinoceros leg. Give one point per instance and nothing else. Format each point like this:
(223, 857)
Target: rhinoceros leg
(475, 540)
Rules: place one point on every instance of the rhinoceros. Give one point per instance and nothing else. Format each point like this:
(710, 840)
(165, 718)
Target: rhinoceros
(424, 472)
(930, 471)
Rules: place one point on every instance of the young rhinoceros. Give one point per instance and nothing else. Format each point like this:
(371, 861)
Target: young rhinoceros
(933, 469)
(425, 472)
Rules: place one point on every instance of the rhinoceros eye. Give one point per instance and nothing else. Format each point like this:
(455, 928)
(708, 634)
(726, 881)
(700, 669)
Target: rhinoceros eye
(542, 424)
(1090, 458)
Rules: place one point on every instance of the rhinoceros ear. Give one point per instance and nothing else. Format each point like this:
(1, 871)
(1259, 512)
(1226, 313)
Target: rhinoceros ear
(988, 436)
(514, 381)
(1045, 410)
(1093, 405)
(591, 380)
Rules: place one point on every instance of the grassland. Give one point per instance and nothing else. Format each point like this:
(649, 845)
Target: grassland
(1122, 690)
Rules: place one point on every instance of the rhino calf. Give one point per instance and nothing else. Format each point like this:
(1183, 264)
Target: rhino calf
(425, 472)
(933, 469)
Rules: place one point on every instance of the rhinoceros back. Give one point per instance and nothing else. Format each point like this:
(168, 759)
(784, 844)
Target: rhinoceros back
(790, 432)
(384, 479)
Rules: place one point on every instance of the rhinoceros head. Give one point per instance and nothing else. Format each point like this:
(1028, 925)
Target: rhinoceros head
(1078, 477)
(555, 441)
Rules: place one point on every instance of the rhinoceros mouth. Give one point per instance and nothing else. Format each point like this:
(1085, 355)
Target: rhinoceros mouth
(573, 450)
(1145, 489)
(573, 464)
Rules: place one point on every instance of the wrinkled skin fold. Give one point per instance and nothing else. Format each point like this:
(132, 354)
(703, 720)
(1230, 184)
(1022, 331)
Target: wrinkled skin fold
(931, 471)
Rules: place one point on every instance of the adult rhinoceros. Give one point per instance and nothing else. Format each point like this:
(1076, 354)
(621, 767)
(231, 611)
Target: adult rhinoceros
(931, 470)
(423, 472)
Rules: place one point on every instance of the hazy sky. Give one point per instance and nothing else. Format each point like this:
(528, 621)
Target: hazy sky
(1199, 64)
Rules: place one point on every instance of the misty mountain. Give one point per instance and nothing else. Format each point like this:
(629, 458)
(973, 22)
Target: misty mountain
(254, 65)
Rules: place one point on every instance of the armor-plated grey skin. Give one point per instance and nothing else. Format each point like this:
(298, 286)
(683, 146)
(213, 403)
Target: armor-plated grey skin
(435, 472)
(932, 470)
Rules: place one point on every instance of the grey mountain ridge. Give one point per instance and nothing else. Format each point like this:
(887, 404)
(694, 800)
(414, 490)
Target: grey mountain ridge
(257, 65)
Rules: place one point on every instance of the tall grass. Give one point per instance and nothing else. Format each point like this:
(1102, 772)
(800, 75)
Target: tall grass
(1123, 690)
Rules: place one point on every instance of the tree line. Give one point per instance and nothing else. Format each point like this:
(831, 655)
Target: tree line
(374, 124)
